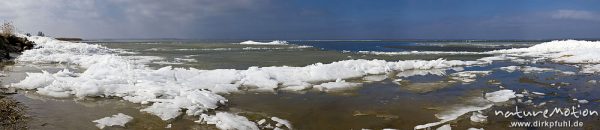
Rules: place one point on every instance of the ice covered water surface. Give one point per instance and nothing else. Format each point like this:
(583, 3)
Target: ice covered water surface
(171, 92)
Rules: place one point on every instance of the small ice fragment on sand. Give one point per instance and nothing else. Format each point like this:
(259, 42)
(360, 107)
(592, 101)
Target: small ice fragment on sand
(282, 122)
(500, 96)
(475, 129)
(478, 117)
(444, 127)
(228, 121)
(119, 119)
(262, 121)
(168, 126)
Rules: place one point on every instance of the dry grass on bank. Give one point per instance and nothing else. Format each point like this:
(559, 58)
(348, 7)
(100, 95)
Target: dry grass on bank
(12, 114)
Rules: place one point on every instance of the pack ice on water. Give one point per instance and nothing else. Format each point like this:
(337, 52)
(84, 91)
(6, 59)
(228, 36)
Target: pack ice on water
(169, 91)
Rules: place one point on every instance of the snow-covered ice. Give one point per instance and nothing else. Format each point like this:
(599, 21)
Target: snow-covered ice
(468, 76)
(228, 121)
(281, 122)
(115, 120)
(339, 84)
(169, 91)
(526, 69)
(478, 117)
(500, 96)
(264, 43)
(421, 53)
(474, 105)
(375, 78)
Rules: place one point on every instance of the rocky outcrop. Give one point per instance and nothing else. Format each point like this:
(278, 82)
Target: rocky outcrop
(13, 44)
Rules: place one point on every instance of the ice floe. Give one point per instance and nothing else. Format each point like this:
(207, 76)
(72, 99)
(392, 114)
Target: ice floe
(115, 120)
(185, 60)
(569, 51)
(562, 51)
(374, 78)
(468, 76)
(282, 122)
(476, 104)
(339, 84)
(500, 96)
(478, 117)
(228, 121)
(421, 53)
(409, 73)
(590, 69)
(527, 69)
(473, 105)
(276, 42)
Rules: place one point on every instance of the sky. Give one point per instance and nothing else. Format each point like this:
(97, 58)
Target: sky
(306, 19)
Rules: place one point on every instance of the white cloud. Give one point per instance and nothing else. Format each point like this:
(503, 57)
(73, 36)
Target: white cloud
(575, 14)
(115, 18)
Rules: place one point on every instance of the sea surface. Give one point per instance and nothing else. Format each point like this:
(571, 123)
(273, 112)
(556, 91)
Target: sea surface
(389, 103)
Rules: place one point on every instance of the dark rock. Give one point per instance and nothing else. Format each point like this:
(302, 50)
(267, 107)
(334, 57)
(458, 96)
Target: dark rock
(13, 44)
(8, 91)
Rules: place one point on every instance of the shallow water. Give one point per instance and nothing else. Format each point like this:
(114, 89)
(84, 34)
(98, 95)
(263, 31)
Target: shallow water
(215, 55)
(376, 105)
